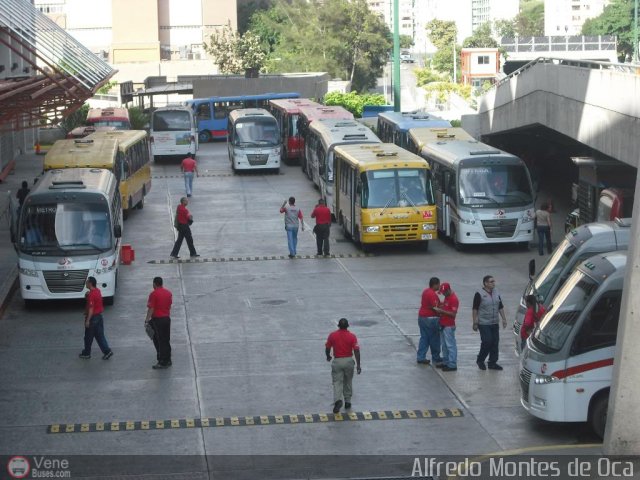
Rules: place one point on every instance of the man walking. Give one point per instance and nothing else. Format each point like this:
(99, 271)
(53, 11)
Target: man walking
(448, 310)
(159, 317)
(93, 322)
(487, 306)
(428, 322)
(322, 214)
(292, 221)
(189, 167)
(182, 223)
(345, 347)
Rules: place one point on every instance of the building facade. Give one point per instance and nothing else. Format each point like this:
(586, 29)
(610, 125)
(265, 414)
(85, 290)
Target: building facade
(483, 11)
(384, 8)
(479, 65)
(566, 17)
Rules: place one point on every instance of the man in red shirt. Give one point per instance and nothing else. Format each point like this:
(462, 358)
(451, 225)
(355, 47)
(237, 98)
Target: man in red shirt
(189, 167)
(429, 324)
(448, 310)
(182, 223)
(159, 317)
(322, 214)
(345, 347)
(93, 322)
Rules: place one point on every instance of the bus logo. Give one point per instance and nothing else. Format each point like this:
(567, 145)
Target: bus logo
(500, 213)
(18, 467)
(427, 214)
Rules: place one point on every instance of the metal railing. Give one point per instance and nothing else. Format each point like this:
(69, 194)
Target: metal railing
(559, 43)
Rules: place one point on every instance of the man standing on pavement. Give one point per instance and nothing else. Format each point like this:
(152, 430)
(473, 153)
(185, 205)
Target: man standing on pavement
(182, 223)
(429, 324)
(189, 168)
(448, 311)
(292, 220)
(93, 322)
(487, 306)
(159, 317)
(345, 347)
(322, 214)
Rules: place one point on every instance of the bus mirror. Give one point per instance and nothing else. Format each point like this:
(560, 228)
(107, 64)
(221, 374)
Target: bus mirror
(532, 267)
(117, 231)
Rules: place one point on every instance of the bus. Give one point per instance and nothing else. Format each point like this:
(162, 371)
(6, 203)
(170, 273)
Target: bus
(393, 127)
(173, 132)
(81, 132)
(324, 135)
(287, 112)
(109, 117)
(212, 113)
(383, 194)
(253, 140)
(69, 228)
(83, 152)
(566, 367)
(310, 114)
(133, 167)
(483, 195)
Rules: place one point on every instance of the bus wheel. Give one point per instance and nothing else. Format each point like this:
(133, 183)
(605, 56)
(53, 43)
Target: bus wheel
(598, 417)
(424, 246)
(140, 204)
(109, 300)
(125, 214)
(204, 136)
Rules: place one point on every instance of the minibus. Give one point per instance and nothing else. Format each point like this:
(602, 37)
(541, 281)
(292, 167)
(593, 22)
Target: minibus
(253, 140)
(173, 132)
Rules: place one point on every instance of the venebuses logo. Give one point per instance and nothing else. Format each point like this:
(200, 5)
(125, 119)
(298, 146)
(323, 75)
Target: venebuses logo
(18, 467)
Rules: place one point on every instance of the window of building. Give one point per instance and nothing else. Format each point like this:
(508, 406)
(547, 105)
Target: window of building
(483, 60)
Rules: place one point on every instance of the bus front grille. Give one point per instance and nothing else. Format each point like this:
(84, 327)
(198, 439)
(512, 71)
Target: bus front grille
(500, 228)
(400, 232)
(256, 159)
(65, 281)
(525, 379)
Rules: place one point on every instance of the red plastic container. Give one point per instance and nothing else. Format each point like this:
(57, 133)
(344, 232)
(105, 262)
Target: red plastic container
(127, 255)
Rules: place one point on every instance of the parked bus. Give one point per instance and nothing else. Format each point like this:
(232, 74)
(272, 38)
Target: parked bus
(109, 117)
(287, 113)
(393, 127)
(69, 229)
(578, 245)
(212, 113)
(134, 168)
(567, 364)
(253, 140)
(83, 152)
(383, 194)
(324, 135)
(173, 132)
(310, 114)
(81, 132)
(483, 195)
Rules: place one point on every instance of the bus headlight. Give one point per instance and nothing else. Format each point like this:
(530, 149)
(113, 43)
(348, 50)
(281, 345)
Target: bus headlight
(373, 229)
(106, 269)
(28, 272)
(468, 222)
(428, 226)
(544, 379)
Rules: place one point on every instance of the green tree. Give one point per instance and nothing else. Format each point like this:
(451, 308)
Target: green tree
(426, 75)
(406, 41)
(139, 120)
(248, 8)
(76, 119)
(441, 33)
(353, 101)
(235, 53)
(616, 19)
(530, 21)
(505, 28)
(482, 38)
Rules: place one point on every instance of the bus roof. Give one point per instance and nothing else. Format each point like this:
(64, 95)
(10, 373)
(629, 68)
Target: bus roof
(452, 152)
(317, 112)
(237, 98)
(239, 113)
(292, 105)
(423, 135)
(335, 132)
(125, 138)
(170, 108)
(408, 120)
(77, 180)
(110, 113)
(602, 266)
(379, 155)
(85, 152)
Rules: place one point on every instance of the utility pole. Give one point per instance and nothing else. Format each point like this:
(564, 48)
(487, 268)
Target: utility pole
(455, 63)
(635, 33)
(396, 56)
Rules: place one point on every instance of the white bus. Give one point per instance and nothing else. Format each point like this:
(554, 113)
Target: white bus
(324, 135)
(483, 195)
(567, 364)
(173, 132)
(69, 229)
(253, 140)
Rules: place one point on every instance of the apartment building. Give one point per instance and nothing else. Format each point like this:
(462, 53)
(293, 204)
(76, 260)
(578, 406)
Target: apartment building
(483, 11)
(566, 17)
(458, 11)
(384, 8)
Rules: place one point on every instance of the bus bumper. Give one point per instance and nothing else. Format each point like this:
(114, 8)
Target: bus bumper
(475, 235)
(37, 288)
(416, 232)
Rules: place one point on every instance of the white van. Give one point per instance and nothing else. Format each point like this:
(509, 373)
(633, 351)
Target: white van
(253, 140)
(173, 132)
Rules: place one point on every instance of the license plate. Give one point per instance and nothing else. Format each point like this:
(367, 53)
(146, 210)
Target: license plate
(427, 236)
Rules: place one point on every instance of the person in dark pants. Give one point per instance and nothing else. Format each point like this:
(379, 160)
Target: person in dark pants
(159, 317)
(93, 322)
(487, 308)
(543, 227)
(322, 214)
(182, 222)
(429, 325)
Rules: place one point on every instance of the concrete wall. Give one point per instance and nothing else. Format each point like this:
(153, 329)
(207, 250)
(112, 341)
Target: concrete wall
(598, 108)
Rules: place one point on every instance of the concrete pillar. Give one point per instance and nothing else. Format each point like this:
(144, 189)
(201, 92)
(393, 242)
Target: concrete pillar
(622, 434)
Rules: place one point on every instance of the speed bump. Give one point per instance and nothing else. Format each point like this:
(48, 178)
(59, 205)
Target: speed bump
(258, 420)
(259, 258)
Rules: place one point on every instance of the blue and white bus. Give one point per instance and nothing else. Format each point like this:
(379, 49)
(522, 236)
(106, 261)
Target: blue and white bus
(393, 127)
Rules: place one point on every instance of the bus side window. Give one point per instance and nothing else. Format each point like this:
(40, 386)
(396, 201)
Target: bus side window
(451, 185)
(204, 112)
(600, 328)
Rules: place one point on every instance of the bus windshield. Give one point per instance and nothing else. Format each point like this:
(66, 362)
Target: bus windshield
(549, 274)
(495, 185)
(118, 124)
(562, 315)
(171, 121)
(256, 132)
(396, 187)
(51, 229)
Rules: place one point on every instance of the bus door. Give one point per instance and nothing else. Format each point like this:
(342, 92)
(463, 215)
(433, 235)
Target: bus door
(440, 180)
(356, 210)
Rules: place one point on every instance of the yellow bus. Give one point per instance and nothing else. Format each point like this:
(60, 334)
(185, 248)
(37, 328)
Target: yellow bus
(82, 153)
(134, 166)
(383, 194)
